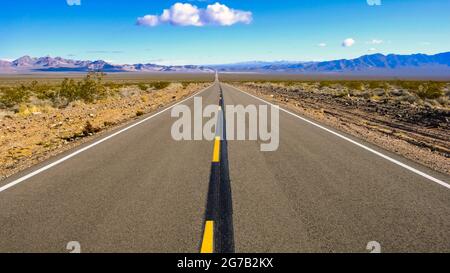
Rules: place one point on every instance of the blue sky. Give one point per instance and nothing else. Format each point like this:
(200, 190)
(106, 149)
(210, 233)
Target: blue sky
(267, 30)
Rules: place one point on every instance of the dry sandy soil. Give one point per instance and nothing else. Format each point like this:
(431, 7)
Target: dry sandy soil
(36, 133)
(414, 128)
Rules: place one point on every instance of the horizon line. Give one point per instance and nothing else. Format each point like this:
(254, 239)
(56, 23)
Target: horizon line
(215, 64)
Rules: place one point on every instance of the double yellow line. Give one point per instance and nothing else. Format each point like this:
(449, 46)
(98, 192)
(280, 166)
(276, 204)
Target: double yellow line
(208, 233)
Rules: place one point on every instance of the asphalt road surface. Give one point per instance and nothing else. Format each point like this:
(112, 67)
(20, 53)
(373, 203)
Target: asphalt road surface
(141, 191)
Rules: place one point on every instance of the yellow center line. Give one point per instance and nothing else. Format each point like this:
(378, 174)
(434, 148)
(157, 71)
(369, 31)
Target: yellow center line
(216, 153)
(208, 238)
(208, 234)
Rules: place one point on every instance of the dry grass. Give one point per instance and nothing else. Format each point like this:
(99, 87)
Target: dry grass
(34, 130)
(409, 118)
(31, 92)
(421, 93)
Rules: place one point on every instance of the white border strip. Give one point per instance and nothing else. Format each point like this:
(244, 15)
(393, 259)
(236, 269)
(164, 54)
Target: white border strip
(440, 182)
(23, 178)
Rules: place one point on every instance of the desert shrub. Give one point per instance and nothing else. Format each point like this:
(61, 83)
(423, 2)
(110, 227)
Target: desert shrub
(159, 85)
(43, 91)
(139, 113)
(289, 83)
(113, 85)
(430, 90)
(91, 88)
(185, 84)
(355, 85)
(378, 85)
(409, 85)
(11, 96)
(88, 90)
(142, 86)
(68, 90)
(324, 84)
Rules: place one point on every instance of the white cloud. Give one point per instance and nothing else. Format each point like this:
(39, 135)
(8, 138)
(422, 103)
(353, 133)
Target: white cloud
(322, 45)
(73, 2)
(348, 42)
(182, 15)
(148, 20)
(185, 14)
(219, 14)
(372, 49)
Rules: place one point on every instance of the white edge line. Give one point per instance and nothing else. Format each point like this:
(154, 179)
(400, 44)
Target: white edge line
(427, 176)
(23, 178)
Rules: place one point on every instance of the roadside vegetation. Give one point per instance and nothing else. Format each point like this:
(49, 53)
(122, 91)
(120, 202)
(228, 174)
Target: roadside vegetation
(411, 118)
(42, 117)
(419, 93)
(89, 89)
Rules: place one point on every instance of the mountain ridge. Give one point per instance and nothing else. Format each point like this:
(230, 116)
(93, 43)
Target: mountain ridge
(58, 64)
(367, 63)
(363, 63)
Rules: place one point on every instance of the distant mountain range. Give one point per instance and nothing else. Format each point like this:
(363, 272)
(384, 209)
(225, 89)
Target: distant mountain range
(363, 63)
(438, 64)
(27, 64)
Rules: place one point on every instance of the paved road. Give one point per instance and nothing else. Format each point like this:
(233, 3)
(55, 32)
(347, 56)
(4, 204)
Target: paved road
(141, 191)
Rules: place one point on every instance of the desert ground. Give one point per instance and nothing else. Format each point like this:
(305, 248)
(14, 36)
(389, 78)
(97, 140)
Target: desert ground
(410, 118)
(43, 115)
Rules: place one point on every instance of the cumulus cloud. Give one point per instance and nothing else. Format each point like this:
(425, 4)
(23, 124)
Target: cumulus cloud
(222, 15)
(185, 14)
(182, 15)
(73, 2)
(348, 42)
